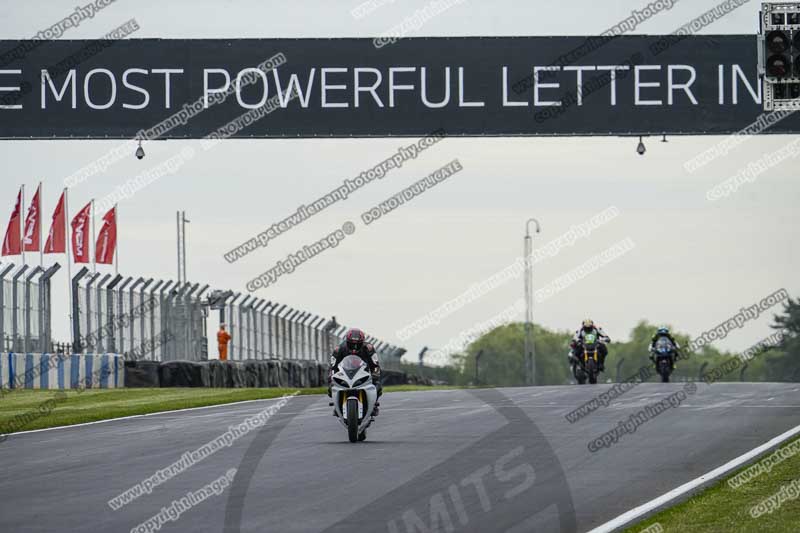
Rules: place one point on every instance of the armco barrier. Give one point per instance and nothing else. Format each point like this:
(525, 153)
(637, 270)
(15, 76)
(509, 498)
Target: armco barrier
(61, 371)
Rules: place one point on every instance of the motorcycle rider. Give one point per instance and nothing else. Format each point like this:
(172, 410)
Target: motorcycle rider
(576, 344)
(663, 332)
(355, 344)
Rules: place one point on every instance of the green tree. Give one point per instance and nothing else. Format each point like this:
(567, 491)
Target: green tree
(783, 361)
(501, 362)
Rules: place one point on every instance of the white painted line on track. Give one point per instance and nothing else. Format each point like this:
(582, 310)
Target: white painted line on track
(174, 411)
(664, 500)
(704, 408)
(131, 417)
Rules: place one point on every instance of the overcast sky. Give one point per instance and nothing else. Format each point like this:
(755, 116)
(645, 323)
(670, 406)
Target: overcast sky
(694, 264)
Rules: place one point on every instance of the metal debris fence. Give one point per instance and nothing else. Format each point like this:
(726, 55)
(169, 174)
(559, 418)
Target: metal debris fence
(116, 314)
(262, 329)
(25, 307)
(162, 320)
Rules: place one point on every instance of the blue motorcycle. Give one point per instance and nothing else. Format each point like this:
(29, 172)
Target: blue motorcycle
(664, 354)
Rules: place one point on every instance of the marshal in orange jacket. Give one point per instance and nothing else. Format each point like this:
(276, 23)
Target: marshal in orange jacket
(222, 341)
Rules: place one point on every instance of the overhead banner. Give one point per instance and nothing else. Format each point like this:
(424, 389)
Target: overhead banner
(475, 86)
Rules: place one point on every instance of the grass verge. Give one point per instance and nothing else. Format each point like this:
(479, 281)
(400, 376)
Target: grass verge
(23, 410)
(723, 508)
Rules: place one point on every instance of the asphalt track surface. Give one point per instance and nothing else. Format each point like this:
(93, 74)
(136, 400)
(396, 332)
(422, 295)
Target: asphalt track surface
(488, 460)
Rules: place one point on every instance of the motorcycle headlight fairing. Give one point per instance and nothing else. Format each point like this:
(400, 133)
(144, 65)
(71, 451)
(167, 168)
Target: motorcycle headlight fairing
(361, 381)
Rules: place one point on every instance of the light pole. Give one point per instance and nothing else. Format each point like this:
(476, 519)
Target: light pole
(530, 349)
(181, 220)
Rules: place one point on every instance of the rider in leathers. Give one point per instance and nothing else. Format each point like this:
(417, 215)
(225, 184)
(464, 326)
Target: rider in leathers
(355, 344)
(577, 342)
(663, 332)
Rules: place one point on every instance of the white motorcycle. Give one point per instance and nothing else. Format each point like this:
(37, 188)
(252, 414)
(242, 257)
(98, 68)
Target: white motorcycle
(354, 396)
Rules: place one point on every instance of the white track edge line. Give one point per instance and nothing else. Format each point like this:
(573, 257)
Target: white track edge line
(162, 412)
(629, 516)
(130, 417)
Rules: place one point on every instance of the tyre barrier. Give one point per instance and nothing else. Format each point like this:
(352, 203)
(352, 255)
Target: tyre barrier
(226, 374)
(418, 380)
(312, 369)
(263, 374)
(141, 374)
(275, 373)
(108, 371)
(241, 374)
(216, 374)
(251, 373)
(295, 374)
(183, 374)
(235, 377)
(323, 370)
(61, 371)
(283, 373)
(393, 377)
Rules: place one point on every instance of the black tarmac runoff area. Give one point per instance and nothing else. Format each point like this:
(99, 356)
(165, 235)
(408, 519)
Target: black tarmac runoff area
(505, 460)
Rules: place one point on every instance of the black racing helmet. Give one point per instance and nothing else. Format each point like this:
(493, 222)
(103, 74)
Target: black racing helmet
(355, 339)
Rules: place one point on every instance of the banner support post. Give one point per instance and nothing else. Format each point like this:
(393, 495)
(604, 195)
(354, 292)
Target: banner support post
(39, 214)
(68, 253)
(116, 241)
(94, 255)
(22, 223)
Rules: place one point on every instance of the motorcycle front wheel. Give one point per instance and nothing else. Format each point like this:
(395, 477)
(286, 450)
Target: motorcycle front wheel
(591, 369)
(352, 419)
(579, 374)
(664, 374)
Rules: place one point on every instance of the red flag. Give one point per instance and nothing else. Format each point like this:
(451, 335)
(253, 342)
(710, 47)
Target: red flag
(12, 244)
(31, 237)
(107, 239)
(80, 234)
(57, 238)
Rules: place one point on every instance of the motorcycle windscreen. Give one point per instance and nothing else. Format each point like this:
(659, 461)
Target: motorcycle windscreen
(351, 364)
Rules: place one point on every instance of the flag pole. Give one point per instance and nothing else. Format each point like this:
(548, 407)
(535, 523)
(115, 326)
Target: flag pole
(67, 250)
(116, 244)
(22, 223)
(94, 258)
(39, 215)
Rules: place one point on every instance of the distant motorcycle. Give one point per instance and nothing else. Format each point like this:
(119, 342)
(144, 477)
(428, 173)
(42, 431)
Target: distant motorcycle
(587, 366)
(354, 396)
(664, 358)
